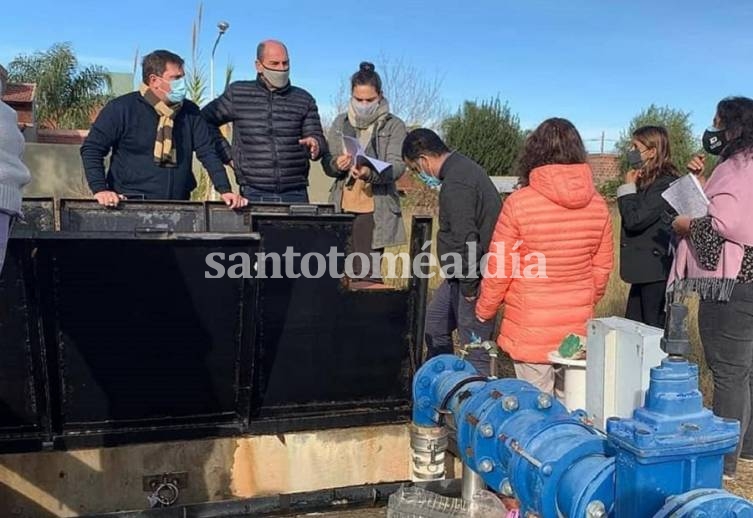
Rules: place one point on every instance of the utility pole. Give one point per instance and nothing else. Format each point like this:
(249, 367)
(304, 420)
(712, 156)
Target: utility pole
(222, 28)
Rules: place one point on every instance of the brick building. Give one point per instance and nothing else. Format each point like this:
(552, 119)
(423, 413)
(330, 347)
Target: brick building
(605, 167)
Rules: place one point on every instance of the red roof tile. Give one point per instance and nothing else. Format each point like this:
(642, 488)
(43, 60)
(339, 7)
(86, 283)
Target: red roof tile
(19, 93)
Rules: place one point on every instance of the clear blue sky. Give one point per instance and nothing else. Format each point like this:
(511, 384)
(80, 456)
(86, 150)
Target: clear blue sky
(596, 62)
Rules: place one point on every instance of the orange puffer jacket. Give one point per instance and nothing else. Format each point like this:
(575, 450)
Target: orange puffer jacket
(549, 261)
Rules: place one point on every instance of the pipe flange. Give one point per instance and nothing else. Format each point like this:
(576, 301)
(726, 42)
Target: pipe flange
(716, 503)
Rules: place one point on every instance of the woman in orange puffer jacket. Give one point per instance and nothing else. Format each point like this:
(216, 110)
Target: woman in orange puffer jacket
(551, 253)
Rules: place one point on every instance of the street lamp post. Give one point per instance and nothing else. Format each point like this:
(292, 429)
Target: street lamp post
(222, 27)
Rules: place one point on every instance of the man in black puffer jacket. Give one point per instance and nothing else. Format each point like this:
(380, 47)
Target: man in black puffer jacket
(276, 130)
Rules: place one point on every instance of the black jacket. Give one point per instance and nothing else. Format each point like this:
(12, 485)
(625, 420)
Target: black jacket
(127, 126)
(646, 233)
(469, 206)
(267, 126)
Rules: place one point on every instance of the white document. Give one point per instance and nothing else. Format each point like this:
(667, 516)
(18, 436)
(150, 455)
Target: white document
(686, 196)
(356, 150)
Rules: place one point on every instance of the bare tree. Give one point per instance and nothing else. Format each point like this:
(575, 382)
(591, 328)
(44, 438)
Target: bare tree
(414, 97)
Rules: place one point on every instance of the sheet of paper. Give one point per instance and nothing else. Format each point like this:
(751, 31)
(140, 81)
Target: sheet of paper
(354, 148)
(686, 196)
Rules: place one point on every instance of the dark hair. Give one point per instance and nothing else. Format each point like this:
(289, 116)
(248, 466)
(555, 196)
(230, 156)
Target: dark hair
(156, 63)
(655, 137)
(555, 141)
(261, 46)
(366, 75)
(736, 118)
(422, 141)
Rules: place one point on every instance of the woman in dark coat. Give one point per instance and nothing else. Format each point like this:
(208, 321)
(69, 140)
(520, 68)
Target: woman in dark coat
(646, 228)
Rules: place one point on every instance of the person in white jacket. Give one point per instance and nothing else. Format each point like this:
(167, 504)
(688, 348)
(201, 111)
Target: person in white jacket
(14, 175)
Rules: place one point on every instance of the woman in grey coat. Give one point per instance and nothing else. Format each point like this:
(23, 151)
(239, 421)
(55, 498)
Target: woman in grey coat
(13, 173)
(360, 189)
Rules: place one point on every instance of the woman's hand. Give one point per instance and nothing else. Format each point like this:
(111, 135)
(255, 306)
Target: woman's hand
(344, 162)
(697, 164)
(681, 225)
(361, 173)
(632, 175)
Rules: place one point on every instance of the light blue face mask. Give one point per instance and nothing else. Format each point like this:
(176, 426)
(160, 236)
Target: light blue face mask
(178, 90)
(431, 181)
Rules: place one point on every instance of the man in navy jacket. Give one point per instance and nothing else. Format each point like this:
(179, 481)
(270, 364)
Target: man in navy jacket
(152, 134)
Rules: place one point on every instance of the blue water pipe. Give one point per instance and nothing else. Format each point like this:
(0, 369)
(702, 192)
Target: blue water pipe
(666, 460)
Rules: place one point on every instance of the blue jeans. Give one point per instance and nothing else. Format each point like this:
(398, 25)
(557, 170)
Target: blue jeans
(254, 194)
(447, 311)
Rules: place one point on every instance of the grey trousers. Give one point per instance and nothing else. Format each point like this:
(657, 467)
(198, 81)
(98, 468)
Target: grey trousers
(5, 220)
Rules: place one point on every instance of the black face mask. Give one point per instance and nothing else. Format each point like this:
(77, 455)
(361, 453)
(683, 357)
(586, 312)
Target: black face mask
(634, 159)
(714, 140)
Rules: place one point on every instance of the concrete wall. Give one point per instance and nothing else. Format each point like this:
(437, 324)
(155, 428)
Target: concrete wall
(58, 484)
(319, 184)
(56, 171)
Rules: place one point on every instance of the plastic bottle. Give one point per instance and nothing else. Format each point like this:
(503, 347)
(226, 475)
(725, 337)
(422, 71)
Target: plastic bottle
(416, 502)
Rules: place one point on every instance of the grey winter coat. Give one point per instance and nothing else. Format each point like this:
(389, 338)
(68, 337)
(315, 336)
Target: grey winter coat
(386, 145)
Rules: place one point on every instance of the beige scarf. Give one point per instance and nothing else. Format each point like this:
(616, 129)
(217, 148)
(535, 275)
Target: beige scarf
(165, 155)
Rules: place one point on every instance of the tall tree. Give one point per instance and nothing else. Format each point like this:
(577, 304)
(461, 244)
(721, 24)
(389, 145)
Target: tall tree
(683, 144)
(67, 95)
(489, 133)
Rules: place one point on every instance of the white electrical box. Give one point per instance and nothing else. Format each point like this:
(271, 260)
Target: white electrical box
(619, 358)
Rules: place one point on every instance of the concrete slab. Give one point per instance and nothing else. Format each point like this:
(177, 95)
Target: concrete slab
(62, 484)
